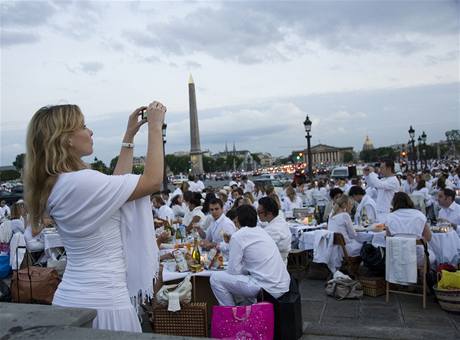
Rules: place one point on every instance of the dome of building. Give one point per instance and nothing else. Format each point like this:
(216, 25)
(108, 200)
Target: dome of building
(368, 144)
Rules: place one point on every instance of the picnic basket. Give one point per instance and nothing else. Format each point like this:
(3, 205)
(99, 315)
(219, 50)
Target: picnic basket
(373, 286)
(191, 320)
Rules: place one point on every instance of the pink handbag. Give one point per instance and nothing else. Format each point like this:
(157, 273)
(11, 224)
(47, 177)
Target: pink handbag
(243, 322)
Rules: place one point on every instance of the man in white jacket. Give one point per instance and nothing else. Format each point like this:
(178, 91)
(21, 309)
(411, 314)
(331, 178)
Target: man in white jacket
(386, 187)
(277, 227)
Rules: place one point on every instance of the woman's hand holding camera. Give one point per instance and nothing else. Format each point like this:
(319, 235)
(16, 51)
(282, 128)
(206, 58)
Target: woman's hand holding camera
(156, 114)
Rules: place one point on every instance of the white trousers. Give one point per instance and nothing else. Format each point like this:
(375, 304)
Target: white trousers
(226, 286)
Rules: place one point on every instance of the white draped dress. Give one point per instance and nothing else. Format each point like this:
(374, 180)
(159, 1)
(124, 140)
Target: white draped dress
(86, 208)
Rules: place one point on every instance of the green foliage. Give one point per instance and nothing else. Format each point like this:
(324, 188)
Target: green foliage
(99, 166)
(256, 158)
(9, 175)
(178, 164)
(19, 162)
(378, 154)
(113, 164)
(209, 164)
(347, 157)
(138, 169)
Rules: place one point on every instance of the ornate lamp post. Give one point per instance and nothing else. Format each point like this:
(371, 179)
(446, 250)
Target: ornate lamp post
(165, 178)
(307, 125)
(412, 142)
(424, 149)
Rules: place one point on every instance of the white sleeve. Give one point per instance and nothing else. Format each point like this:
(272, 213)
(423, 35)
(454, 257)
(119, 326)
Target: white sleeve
(373, 181)
(235, 261)
(84, 199)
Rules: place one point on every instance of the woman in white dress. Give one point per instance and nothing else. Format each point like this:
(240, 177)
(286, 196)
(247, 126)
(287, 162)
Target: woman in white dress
(105, 222)
(406, 220)
(340, 222)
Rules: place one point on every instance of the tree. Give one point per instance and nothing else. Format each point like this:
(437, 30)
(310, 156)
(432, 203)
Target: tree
(99, 166)
(378, 154)
(9, 175)
(113, 164)
(19, 162)
(347, 157)
(178, 164)
(209, 164)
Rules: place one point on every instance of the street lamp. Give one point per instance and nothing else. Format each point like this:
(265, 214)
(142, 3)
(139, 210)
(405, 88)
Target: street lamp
(412, 142)
(307, 125)
(165, 178)
(424, 149)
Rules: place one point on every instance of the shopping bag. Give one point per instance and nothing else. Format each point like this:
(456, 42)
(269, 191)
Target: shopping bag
(288, 312)
(243, 322)
(34, 284)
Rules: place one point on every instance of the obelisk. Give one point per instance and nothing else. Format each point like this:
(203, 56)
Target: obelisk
(196, 156)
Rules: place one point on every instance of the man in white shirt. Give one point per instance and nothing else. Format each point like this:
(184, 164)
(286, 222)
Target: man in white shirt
(409, 184)
(220, 226)
(254, 263)
(163, 212)
(386, 187)
(248, 185)
(277, 227)
(4, 210)
(365, 204)
(450, 211)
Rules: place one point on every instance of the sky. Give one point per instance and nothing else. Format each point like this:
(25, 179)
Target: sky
(355, 67)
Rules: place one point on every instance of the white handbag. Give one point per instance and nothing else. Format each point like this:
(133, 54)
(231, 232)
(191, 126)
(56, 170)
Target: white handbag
(175, 294)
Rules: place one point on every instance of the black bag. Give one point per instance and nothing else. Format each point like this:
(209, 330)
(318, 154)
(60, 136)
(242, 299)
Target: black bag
(5, 293)
(288, 313)
(373, 259)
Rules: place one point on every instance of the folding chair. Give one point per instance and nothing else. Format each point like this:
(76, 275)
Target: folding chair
(351, 263)
(298, 261)
(424, 272)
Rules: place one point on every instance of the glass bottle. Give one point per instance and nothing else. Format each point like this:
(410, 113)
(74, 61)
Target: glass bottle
(196, 256)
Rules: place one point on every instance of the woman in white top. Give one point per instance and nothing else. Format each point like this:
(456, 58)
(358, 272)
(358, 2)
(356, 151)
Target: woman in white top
(105, 222)
(320, 198)
(291, 200)
(340, 222)
(195, 213)
(178, 207)
(17, 219)
(406, 220)
(422, 191)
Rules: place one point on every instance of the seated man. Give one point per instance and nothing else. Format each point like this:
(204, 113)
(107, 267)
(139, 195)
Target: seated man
(221, 225)
(366, 209)
(163, 211)
(450, 211)
(254, 263)
(277, 226)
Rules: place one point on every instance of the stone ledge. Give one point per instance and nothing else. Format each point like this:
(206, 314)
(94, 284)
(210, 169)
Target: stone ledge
(16, 316)
(76, 333)
(373, 332)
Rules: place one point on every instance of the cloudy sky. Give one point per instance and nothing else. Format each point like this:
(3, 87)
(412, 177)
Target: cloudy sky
(356, 67)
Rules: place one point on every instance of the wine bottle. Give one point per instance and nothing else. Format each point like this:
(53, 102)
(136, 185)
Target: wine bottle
(196, 256)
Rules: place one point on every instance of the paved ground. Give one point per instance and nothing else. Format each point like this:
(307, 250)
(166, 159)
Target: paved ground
(402, 318)
(370, 318)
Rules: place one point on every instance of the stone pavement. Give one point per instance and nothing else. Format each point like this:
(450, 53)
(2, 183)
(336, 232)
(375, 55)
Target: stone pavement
(370, 317)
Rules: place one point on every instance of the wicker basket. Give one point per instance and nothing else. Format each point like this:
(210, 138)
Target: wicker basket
(449, 299)
(373, 286)
(191, 320)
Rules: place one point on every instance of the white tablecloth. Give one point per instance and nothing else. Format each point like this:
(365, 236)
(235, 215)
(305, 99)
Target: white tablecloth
(169, 276)
(446, 247)
(52, 240)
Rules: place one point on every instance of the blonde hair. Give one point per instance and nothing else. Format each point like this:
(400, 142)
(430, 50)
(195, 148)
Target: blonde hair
(290, 192)
(342, 202)
(48, 154)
